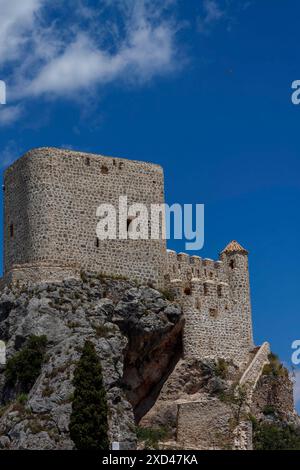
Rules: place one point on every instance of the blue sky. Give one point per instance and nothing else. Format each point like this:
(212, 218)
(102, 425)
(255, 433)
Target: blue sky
(202, 87)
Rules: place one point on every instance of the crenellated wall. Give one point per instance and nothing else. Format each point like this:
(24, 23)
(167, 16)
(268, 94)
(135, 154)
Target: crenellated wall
(216, 301)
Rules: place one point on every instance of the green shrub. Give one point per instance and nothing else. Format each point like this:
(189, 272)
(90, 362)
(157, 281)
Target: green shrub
(268, 436)
(221, 369)
(151, 436)
(88, 422)
(168, 295)
(274, 368)
(83, 277)
(102, 330)
(47, 392)
(22, 398)
(24, 367)
(269, 410)
(35, 426)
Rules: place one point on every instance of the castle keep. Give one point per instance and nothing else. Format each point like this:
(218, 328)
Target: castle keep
(51, 198)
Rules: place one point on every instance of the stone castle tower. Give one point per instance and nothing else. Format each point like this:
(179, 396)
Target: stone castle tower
(216, 299)
(51, 198)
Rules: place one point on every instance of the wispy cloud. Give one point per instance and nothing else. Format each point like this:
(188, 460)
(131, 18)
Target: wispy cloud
(9, 154)
(10, 114)
(49, 53)
(225, 12)
(211, 14)
(16, 21)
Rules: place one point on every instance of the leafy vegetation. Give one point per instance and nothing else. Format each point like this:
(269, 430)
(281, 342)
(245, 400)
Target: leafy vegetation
(274, 368)
(24, 367)
(22, 398)
(221, 368)
(167, 294)
(267, 436)
(88, 422)
(269, 410)
(151, 436)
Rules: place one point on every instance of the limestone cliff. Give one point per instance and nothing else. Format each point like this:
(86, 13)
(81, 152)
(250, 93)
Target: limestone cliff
(136, 333)
(183, 403)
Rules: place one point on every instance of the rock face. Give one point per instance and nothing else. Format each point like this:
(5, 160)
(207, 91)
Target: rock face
(203, 405)
(136, 333)
(192, 407)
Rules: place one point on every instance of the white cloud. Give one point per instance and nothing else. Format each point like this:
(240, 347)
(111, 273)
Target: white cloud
(212, 13)
(10, 114)
(9, 154)
(16, 19)
(125, 41)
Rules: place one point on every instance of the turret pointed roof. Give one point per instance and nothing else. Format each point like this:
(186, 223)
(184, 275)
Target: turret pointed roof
(234, 247)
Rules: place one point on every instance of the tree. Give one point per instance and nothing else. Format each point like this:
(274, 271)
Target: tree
(88, 422)
(271, 436)
(24, 367)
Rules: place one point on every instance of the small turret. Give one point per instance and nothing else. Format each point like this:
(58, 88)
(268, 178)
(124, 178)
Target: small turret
(234, 247)
(235, 257)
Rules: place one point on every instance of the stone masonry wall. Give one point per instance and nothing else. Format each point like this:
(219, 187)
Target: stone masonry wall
(216, 302)
(204, 424)
(253, 372)
(51, 197)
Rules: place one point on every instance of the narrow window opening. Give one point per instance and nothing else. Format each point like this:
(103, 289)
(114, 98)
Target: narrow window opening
(198, 304)
(213, 312)
(87, 161)
(219, 291)
(104, 170)
(205, 289)
(232, 264)
(97, 242)
(11, 230)
(187, 291)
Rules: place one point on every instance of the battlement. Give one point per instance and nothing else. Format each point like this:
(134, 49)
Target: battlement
(215, 298)
(184, 267)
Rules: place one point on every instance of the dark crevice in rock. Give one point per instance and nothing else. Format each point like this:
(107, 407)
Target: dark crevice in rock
(146, 403)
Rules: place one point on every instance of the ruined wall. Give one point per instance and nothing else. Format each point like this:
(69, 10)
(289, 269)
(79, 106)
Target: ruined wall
(51, 197)
(204, 424)
(216, 301)
(253, 372)
(273, 397)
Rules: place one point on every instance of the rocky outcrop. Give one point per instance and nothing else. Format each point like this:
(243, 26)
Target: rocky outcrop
(212, 404)
(195, 406)
(136, 333)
